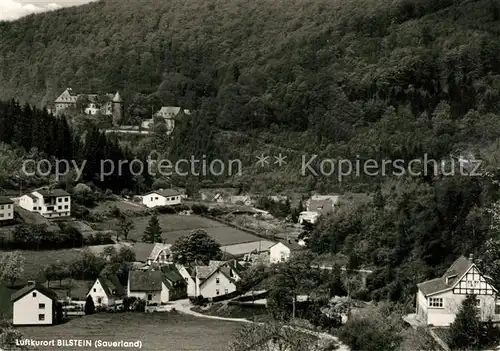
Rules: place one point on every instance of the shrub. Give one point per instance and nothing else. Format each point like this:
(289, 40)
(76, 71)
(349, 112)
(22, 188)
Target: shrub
(89, 305)
(198, 300)
(165, 210)
(199, 209)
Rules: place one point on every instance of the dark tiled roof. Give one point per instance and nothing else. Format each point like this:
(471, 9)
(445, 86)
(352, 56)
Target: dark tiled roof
(142, 251)
(455, 272)
(172, 274)
(145, 280)
(5, 200)
(29, 288)
(53, 192)
(164, 192)
(110, 284)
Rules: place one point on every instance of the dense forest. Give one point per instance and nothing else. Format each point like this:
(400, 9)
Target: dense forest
(367, 79)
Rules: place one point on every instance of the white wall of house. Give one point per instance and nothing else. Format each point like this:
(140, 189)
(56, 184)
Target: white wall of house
(154, 200)
(28, 203)
(216, 285)
(29, 309)
(6, 212)
(279, 253)
(58, 206)
(149, 296)
(191, 284)
(165, 293)
(99, 295)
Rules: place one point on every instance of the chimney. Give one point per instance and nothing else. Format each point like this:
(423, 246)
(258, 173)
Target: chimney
(471, 258)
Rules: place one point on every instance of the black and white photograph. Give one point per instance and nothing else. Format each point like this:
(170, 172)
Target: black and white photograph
(235, 175)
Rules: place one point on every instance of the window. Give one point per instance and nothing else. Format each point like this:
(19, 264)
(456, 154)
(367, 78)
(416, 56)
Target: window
(41, 306)
(65, 207)
(65, 199)
(436, 302)
(1, 215)
(99, 300)
(1, 207)
(497, 309)
(34, 294)
(59, 207)
(473, 284)
(59, 199)
(41, 317)
(150, 297)
(217, 280)
(186, 279)
(226, 291)
(216, 291)
(231, 274)
(94, 290)
(478, 303)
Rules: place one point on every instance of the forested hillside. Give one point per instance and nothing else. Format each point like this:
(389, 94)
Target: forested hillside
(377, 79)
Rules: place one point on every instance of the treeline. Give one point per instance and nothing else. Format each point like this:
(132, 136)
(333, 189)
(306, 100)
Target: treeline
(38, 135)
(39, 237)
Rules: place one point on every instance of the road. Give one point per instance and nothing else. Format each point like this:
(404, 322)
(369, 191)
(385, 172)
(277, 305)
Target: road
(184, 306)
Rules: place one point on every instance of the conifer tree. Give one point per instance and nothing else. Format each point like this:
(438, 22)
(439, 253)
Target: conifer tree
(466, 331)
(152, 234)
(89, 305)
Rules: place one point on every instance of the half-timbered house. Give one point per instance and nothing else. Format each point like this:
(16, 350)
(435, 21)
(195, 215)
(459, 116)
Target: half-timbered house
(438, 300)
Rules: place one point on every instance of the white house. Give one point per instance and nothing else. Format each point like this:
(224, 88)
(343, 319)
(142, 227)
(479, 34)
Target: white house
(281, 252)
(147, 285)
(34, 305)
(218, 278)
(106, 291)
(241, 200)
(50, 203)
(438, 300)
(188, 274)
(308, 216)
(218, 198)
(161, 254)
(6, 209)
(162, 197)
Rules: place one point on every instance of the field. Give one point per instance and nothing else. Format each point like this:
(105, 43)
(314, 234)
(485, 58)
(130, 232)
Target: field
(174, 226)
(157, 331)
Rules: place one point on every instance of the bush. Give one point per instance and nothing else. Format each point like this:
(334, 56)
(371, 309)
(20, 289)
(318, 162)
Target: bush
(89, 305)
(198, 300)
(199, 209)
(139, 305)
(165, 210)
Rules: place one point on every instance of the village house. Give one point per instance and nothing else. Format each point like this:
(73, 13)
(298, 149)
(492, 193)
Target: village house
(322, 204)
(160, 254)
(439, 299)
(241, 250)
(218, 278)
(147, 285)
(308, 216)
(282, 251)
(35, 305)
(162, 197)
(6, 209)
(174, 281)
(106, 291)
(188, 273)
(170, 114)
(241, 200)
(92, 104)
(50, 203)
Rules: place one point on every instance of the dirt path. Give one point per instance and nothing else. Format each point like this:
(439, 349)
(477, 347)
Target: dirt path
(184, 306)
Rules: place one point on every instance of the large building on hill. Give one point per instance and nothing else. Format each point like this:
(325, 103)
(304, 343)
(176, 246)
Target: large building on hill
(92, 104)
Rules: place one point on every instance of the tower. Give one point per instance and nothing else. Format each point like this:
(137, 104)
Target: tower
(117, 109)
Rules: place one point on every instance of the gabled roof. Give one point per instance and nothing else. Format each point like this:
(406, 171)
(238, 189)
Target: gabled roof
(164, 192)
(157, 249)
(454, 274)
(290, 244)
(5, 200)
(142, 251)
(172, 274)
(171, 111)
(52, 192)
(145, 280)
(202, 272)
(31, 287)
(110, 284)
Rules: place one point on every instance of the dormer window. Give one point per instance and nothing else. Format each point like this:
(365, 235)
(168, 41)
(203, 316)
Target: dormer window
(449, 278)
